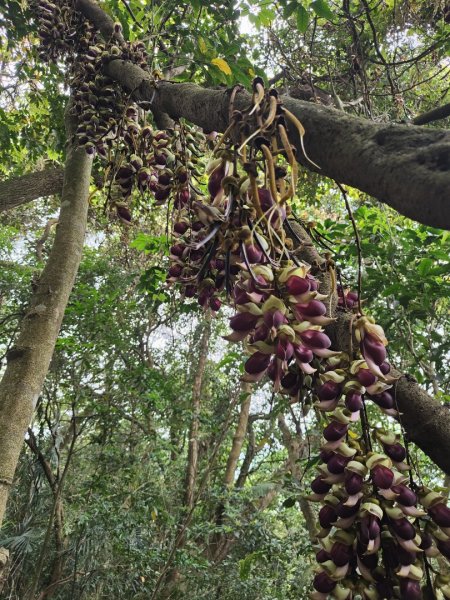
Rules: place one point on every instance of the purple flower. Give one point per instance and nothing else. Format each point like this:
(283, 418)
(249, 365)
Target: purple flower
(257, 363)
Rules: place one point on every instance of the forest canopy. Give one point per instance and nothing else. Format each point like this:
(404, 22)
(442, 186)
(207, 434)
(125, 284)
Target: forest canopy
(224, 299)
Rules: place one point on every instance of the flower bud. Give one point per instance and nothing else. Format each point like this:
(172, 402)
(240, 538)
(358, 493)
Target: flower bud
(297, 285)
(327, 516)
(396, 452)
(323, 584)
(257, 363)
(335, 431)
(319, 486)
(440, 513)
(382, 477)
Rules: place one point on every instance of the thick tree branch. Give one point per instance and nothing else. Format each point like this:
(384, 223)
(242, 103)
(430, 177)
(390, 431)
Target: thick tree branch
(403, 166)
(441, 112)
(406, 167)
(23, 189)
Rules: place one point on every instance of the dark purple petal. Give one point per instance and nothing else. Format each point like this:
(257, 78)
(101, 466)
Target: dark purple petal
(440, 513)
(337, 464)
(323, 584)
(297, 285)
(260, 334)
(340, 554)
(406, 497)
(366, 377)
(344, 511)
(404, 557)
(175, 271)
(215, 304)
(325, 455)
(177, 249)
(373, 349)
(315, 339)
(444, 547)
(396, 452)
(303, 354)
(329, 390)
(284, 350)
(353, 483)
(243, 321)
(385, 368)
(253, 253)
(334, 431)
(382, 477)
(257, 363)
(289, 380)
(403, 528)
(327, 516)
(322, 556)
(410, 589)
(180, 227)
(319, 486)
(353, 401)
(383, 400)
(369, 528)
(315, 308)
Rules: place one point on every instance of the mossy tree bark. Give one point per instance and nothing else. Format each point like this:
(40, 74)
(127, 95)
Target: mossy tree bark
(29, 358)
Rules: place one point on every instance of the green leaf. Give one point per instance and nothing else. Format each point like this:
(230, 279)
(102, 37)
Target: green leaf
(302, 19)
(425, 266)
(321, 8)
(289, 9)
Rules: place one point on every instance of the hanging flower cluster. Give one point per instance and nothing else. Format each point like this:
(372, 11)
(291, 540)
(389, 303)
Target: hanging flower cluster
(111, 126)
(378, 529)
(377, 532)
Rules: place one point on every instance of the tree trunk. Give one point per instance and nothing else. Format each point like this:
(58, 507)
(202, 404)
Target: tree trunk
(29, 358)
(173, 579)
(294, 446)
(214, 548)
(192, 460)
(239, 437)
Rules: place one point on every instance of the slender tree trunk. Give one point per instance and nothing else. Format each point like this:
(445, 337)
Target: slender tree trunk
(174, 579)
(239, 437)
(192, 460)
(294, 446)
(215, 546)
(29, 358)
